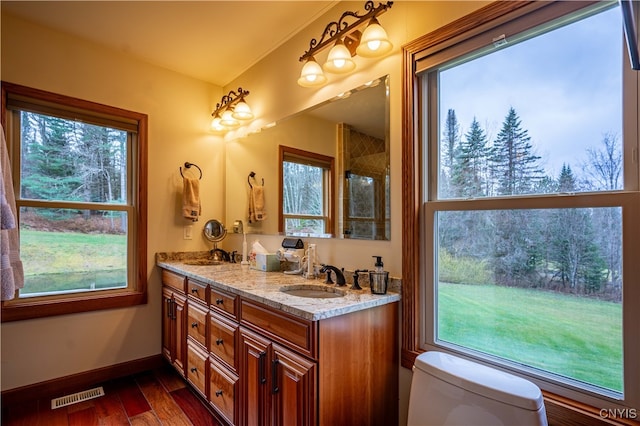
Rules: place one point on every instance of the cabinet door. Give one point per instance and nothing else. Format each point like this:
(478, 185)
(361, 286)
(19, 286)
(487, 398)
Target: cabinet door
(173, 322)
(254, 377)
(293, 384)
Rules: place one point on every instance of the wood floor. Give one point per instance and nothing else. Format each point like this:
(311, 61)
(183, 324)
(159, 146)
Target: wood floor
(158, 397)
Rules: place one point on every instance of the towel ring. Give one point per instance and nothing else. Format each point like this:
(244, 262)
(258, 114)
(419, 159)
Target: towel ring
(252, 175)
(187, 165)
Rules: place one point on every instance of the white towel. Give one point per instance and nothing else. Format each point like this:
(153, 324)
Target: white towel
(256, 204)
(191, 207)
(11, 273)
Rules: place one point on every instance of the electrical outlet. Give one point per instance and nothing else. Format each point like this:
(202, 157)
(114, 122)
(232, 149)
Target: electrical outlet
(188, 232)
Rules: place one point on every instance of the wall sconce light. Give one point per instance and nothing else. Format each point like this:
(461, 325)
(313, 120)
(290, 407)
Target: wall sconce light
(231, 111)
(347, 42)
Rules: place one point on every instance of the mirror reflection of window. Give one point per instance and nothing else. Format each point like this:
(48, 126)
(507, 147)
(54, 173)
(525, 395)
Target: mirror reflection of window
(306, 179)
(366, 191)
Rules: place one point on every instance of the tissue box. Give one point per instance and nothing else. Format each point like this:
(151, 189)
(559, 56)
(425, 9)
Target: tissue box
(266, 262)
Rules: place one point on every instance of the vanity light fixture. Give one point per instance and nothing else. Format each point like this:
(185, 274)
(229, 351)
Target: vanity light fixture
(347, 42)
(231, 111)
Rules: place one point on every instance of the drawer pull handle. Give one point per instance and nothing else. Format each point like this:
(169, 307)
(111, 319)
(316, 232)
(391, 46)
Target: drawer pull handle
(219, 392)
(219, 341)
(193, 369)
(219, 301)
(194, 290)
(194, 324)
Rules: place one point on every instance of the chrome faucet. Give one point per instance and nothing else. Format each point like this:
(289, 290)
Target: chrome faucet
(339, 275)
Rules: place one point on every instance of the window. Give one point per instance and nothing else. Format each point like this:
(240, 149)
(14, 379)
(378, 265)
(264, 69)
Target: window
(78, 169)
(306, 182)
(528, 190)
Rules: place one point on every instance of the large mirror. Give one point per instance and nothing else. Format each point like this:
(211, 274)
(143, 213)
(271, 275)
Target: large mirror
(353, 129)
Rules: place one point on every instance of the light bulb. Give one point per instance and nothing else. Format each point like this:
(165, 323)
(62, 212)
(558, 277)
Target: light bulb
(339, 59)
(374, 41)
(311, 74)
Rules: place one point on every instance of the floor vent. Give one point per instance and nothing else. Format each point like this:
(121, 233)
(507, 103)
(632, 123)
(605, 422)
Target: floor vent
(76, 397)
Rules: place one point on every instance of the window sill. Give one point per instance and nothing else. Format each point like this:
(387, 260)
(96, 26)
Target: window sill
(18, 310)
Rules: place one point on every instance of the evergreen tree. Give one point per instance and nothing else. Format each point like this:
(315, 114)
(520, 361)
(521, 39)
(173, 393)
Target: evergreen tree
(517, 237)
(468, 176)
(448, 145)
(50, 158)
(512, 161)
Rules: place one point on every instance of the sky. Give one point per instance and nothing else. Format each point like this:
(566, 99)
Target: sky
(565, 86)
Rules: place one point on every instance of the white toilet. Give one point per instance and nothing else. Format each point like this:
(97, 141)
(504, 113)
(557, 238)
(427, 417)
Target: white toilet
(447, 390)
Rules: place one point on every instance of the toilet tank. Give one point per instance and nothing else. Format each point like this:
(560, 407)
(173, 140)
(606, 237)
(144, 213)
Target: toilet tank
(448, 390)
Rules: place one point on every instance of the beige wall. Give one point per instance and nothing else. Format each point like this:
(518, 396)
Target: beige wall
(178, 109)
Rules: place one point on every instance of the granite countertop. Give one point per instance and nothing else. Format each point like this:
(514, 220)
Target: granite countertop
(265, 287)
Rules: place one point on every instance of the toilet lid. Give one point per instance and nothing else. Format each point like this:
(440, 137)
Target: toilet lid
(482, 380)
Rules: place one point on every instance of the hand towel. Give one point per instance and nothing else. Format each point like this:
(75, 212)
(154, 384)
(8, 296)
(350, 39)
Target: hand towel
(256, 204)
(11, 272)
(191, 207)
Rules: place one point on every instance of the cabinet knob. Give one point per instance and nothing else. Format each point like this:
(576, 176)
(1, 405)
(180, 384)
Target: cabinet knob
(218, 341)
(219, 392)
(219, 301)
(193, 369)
(194, 324)
(194, 290)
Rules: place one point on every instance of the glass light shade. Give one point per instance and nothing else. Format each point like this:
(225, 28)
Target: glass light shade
(215, 124)
(374, 41)
(339, 59)
(227, 119)
(242, 111)
(311, 74)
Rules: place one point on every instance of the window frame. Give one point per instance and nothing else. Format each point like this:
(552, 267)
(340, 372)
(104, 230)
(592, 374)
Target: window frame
(289, 154)
(418, 161)
(135, 293)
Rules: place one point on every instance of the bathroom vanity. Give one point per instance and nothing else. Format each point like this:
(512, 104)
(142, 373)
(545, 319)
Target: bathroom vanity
(262, 356)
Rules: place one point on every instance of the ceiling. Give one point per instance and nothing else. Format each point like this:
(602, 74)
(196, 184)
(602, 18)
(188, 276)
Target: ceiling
(213, 41)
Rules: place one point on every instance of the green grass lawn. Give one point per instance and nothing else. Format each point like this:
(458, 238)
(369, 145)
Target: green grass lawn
(59, 261)
(569, 335)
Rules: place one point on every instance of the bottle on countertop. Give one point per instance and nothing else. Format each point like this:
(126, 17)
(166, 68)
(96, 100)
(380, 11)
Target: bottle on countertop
(379, 266)
(379, 278)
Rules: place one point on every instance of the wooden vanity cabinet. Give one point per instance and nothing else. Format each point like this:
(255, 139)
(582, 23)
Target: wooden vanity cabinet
(257, 365)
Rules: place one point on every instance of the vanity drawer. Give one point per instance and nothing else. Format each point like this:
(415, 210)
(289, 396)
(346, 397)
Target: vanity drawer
(197, 290)
(223, 389)
(223, 302)
(173, 280)
(197, 367)
(280, 326)
(197, 323)
(223, 335)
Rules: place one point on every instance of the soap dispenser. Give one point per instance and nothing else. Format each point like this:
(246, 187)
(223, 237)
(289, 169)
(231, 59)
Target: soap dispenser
(378, 278)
